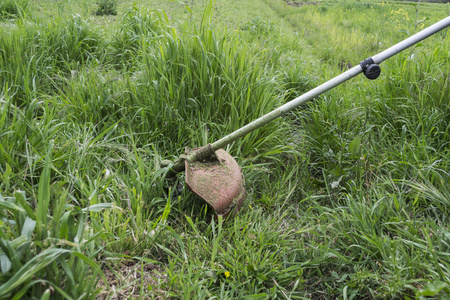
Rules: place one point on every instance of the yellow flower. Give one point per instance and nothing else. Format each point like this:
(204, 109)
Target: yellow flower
(250, 206)
(227, 274)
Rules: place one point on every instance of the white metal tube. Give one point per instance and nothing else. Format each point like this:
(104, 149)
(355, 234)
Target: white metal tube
(414, 39)
(329, 84)
(243, 131)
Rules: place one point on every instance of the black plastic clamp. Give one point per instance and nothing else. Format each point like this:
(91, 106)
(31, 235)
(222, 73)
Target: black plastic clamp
(370, 68)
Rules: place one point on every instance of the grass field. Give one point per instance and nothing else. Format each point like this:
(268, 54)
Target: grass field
(348, 196)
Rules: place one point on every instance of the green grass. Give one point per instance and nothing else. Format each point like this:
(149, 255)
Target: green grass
(348, 196)
(12, 9)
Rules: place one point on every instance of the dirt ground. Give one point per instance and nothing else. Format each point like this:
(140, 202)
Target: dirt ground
(299, 4)
(124, 281)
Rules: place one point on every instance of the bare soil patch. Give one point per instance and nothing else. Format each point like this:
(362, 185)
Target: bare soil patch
(300, 4)
(124, 281)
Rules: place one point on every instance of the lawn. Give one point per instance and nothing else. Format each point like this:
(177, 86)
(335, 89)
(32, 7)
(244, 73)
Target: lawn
(348, 196)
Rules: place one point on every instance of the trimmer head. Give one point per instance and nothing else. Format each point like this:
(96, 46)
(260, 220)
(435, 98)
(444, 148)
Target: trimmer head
(218, 181)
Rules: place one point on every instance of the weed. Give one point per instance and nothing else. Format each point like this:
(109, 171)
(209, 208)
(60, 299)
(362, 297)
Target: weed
(34, 246)
(259, 28)
(106, 7)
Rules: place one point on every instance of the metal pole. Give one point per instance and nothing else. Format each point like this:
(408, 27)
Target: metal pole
(414, 39)
(207, 150)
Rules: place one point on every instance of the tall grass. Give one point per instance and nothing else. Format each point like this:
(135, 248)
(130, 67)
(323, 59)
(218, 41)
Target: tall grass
(34, 63)
(347, 196)
(11, 9)
(84, 128)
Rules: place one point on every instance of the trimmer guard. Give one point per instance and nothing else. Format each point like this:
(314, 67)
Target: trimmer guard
(218, 181)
